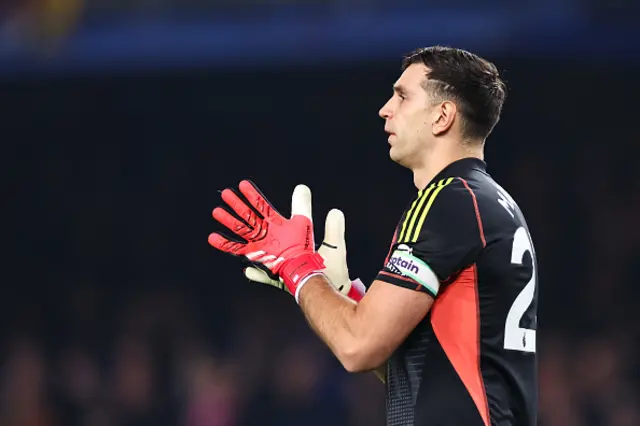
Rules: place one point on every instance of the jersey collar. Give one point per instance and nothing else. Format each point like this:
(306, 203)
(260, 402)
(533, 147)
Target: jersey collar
(460, 168)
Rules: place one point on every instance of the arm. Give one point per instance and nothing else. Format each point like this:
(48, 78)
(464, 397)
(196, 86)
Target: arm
(434, 244)
(363, 336)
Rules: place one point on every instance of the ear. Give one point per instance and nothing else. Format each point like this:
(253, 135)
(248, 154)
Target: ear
(445, 114)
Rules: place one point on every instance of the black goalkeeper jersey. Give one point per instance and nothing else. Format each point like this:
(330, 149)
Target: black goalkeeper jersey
(472, 360)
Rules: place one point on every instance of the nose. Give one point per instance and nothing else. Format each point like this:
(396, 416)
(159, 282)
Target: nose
(385, 111)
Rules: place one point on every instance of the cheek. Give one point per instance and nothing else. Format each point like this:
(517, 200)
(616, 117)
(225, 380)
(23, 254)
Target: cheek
(419, 123)
(411, 123)
(410, 120)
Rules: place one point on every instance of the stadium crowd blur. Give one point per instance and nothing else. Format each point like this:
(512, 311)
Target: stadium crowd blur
(43, 22)
(119, 314)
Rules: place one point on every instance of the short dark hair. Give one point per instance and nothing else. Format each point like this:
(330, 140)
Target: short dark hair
(472, 82)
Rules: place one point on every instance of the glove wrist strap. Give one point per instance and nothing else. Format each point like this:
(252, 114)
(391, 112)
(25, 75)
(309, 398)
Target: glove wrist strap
(297, 269)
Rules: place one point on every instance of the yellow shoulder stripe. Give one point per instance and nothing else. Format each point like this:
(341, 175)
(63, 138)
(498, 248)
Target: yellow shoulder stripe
(409, 214)
(419, 210)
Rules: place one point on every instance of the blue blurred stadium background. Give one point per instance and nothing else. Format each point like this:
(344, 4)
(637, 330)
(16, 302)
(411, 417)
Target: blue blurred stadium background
(120, 120)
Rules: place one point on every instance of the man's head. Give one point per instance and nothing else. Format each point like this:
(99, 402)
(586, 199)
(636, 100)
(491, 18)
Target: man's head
(444, 95)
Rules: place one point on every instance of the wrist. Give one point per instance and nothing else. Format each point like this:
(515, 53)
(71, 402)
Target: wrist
(304, 281)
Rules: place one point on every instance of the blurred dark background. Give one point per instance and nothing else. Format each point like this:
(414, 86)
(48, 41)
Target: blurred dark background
(120, 121)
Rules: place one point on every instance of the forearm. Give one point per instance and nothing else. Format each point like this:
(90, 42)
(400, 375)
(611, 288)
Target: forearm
(334, 317)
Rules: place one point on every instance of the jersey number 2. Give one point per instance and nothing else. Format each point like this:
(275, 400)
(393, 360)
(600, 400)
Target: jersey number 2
(515, 337)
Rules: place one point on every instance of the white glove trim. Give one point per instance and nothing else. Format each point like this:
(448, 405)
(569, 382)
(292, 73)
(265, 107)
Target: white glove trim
(303, 282)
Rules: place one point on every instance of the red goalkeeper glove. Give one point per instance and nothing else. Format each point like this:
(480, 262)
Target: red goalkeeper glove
(334, 253)
(285, 246)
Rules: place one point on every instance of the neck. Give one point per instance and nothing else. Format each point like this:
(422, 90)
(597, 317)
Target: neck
(435, 162)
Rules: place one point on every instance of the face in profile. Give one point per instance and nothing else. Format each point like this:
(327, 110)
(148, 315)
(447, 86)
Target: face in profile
(407, 117)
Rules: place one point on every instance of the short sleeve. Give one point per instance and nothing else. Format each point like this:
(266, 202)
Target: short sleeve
(439, 235)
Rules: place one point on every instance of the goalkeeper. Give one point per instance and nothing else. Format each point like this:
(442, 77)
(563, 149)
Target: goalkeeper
(451, 316)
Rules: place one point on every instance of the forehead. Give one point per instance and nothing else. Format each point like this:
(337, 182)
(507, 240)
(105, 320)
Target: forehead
(413, 76)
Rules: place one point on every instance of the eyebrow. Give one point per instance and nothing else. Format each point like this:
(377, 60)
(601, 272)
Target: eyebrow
(399, 89)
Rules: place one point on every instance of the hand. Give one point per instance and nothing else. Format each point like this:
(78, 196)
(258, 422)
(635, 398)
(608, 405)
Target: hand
(334, 253)
(284, 246)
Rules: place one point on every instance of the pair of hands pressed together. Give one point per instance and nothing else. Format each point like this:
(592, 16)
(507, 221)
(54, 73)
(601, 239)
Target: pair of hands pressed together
(284, 247)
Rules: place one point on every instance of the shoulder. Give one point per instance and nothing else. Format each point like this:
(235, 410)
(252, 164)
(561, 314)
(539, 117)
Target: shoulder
(442, 207)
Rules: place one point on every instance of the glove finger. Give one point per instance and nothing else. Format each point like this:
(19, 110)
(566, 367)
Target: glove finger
(226, 245)
(334, 229)
(258, 200)
(224, 217)
(301, 202)
(258, 275)
(241, 208)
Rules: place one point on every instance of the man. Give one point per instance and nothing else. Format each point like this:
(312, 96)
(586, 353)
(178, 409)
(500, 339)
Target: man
(451, 317)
